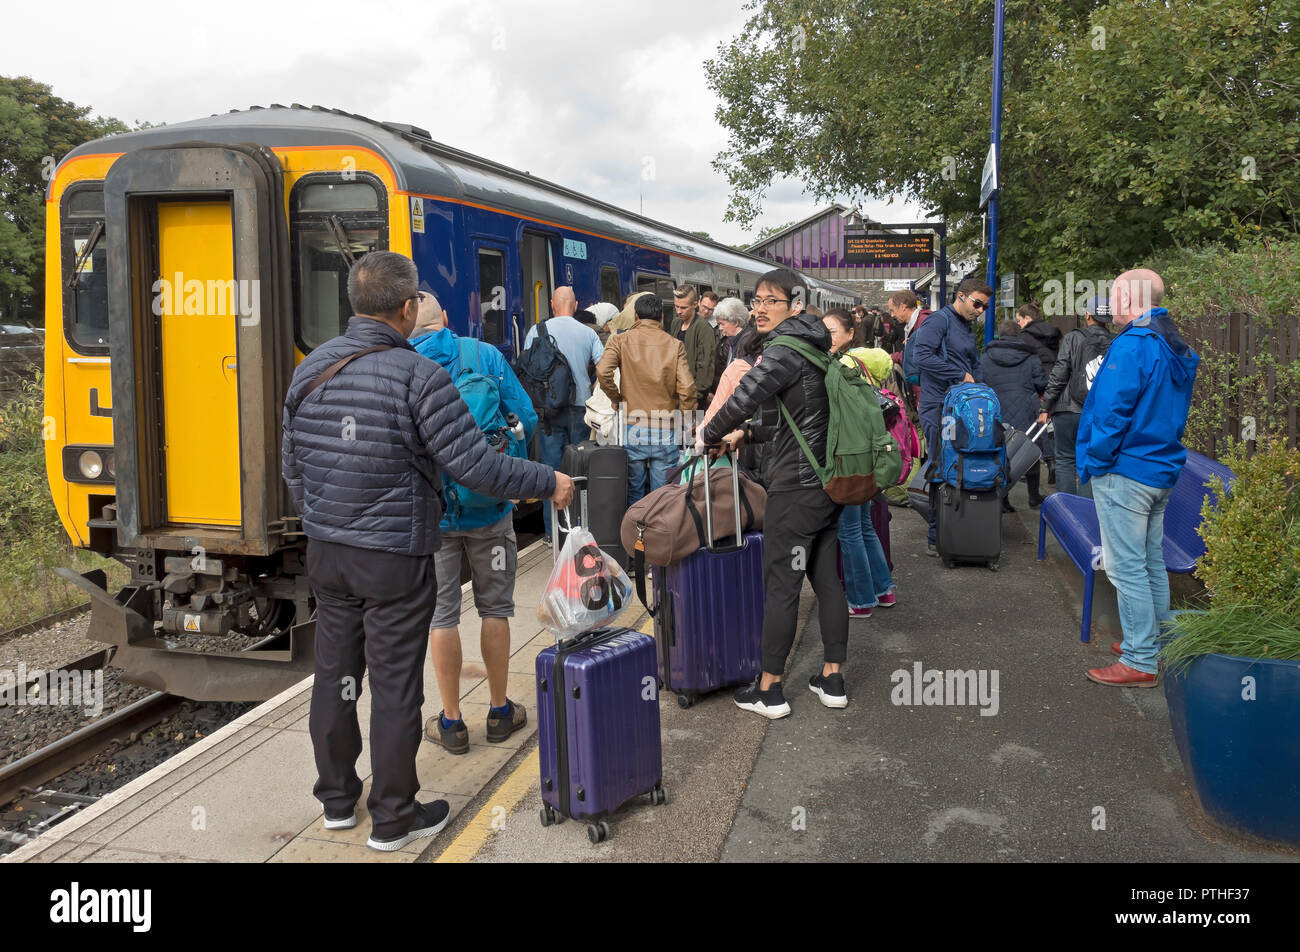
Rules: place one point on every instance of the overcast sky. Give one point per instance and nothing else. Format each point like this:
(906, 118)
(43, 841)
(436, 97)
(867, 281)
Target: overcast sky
(608, 100)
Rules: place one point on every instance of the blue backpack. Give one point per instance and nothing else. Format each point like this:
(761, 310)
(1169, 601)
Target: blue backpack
(973, 452)
(482, 394)
(546, 377)
(911, 372)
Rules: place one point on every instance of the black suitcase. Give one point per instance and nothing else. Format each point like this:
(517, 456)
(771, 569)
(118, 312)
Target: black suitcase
(968, 525)
(605, 469)
(1023, 452)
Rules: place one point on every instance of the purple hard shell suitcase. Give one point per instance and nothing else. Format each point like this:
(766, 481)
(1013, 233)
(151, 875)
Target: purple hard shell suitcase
(709, 613)
(598, 726)
(880, 517)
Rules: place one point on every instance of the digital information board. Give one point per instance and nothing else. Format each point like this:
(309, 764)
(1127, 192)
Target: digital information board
(888, 249)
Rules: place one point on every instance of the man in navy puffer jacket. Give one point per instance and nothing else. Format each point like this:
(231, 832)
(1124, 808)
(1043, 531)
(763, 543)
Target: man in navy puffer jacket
(362, 456)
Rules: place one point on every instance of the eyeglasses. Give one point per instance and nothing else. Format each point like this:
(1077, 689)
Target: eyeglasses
(769, 301)
(977, 303)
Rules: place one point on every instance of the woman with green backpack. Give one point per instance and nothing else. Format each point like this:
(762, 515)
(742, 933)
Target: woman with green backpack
(787, 391)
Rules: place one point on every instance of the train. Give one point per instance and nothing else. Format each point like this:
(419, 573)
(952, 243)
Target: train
(190, 267)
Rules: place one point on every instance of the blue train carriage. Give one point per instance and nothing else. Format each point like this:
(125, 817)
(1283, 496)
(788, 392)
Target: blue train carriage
(190, 267)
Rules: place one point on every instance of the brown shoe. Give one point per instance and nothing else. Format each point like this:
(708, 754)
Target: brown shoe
(499, 728)
(1120, 675)
(454, 739)
(1117, 648)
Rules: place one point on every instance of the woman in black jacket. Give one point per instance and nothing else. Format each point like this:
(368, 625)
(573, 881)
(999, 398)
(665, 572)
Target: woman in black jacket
(1012, 368)
(800, 531)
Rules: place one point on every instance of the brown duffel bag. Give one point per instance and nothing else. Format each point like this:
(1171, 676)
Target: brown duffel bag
(671, 523)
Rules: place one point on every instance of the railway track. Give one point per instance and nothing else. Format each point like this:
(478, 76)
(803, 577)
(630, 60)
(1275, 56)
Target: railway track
(46, 622)
(28, 773)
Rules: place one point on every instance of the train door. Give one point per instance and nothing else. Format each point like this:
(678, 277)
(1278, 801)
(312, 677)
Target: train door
(537, 260)
(489, 306)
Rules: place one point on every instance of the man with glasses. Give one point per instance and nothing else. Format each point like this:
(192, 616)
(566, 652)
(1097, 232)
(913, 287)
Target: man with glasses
(946, 355)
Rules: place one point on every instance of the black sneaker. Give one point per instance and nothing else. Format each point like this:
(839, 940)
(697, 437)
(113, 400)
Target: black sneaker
(1006, 505)
(345, 822)
(429, 819)
(499, 728)
(830, 688)
(454, 739)
(770, 703)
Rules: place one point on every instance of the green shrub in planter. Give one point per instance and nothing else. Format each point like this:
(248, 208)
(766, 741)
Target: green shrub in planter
(1252, 538)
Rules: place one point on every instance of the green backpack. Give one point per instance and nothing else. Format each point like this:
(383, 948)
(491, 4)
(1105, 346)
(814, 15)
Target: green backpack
(861, 457)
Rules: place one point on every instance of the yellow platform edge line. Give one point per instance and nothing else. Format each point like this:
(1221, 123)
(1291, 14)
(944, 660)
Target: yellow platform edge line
(480, 829)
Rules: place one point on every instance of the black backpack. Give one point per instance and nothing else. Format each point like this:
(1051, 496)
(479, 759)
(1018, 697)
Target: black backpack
(1093, 353)
(546, 377)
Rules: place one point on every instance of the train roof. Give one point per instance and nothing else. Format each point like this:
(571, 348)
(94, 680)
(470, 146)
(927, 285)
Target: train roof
(426, 167)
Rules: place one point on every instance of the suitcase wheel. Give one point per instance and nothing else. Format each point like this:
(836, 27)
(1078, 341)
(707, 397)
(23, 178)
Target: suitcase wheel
(686, 699)
(598, 832)
(548, 815)
(993, 566)
(658, 796)
(949, 564)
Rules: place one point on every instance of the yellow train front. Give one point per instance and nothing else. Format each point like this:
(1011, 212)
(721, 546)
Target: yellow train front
(171, 343)
(190, 267)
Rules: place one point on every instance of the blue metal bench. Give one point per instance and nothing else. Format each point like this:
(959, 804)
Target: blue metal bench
(1073, 521)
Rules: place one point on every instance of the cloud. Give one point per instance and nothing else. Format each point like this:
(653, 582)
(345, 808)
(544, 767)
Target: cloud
(610, 100)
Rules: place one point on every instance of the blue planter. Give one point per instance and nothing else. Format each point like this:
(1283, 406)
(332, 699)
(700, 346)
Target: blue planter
(1241, 756)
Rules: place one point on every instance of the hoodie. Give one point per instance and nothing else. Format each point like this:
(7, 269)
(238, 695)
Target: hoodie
(443, 348)
(1012, 368)
(1136, 412)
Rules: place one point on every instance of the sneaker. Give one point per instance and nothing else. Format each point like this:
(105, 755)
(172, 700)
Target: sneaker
(1035, 501)
(830, 688)
(345, 822)
(454, 739)
(931, 550)
(887, 601)
(429, 819)
(859, 612)
(770, 703)
(499, 728)
(1006, 505)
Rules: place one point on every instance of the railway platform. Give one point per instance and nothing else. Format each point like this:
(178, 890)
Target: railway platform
(1059, 769)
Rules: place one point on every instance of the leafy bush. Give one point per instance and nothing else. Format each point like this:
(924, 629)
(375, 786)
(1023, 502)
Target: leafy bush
(32, 540)
(1240, 311)
(1252, 538)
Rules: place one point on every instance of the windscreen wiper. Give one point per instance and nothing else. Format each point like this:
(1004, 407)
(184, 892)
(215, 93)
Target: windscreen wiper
(341, 239)
(96, 233)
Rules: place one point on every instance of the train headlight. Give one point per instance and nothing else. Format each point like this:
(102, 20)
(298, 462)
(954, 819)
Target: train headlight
(91, 464)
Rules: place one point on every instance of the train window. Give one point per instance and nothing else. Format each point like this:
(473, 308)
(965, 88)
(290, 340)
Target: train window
(610, 291)
(492, 294)
(333, 223)
(84, 254)
(338, 197)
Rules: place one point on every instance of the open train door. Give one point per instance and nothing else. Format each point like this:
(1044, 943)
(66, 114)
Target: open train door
(201, 354)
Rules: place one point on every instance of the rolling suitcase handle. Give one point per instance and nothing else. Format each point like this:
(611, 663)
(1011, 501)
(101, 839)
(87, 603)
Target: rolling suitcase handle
(708, 506)
(580, 492)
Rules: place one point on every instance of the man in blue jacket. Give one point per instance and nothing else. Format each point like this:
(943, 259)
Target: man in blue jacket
(368, 426)
(484, 530)
(1130, 448)
(946, 355)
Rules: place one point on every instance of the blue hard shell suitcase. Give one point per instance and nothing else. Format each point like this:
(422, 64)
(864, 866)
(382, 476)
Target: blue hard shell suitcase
(598, 726)
(709, 613)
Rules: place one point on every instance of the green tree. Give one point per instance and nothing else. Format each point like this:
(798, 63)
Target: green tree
(1129, 127)
(769, 231)
(37, 129)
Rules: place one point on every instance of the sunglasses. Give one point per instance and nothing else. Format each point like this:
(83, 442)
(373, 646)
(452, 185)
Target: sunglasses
(977, 303)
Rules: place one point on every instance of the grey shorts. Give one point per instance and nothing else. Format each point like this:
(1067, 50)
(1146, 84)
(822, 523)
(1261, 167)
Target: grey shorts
(493, 561)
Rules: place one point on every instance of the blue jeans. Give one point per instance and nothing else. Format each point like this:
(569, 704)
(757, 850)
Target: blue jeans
(1067, 467)
(648, 448)
(1132, 520)
(866, 572)
(564, 432)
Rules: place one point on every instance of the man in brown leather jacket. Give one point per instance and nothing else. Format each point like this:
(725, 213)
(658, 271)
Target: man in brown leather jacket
(658, 391)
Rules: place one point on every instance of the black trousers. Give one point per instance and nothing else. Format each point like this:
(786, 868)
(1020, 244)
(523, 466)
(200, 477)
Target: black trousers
(801, 538)
(373, 610)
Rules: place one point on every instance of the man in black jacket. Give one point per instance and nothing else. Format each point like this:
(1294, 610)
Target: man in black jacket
(1047, 341)
(801, 528)
(368, 424)
(1011, 368)
(1067, 387)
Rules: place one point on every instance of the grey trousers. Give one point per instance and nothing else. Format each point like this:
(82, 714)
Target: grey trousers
(373, 610)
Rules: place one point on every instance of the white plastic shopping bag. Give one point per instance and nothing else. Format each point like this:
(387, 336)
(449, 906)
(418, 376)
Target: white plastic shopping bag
(586, 588)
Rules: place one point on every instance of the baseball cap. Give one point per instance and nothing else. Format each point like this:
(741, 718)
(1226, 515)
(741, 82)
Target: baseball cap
(1099, 308)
